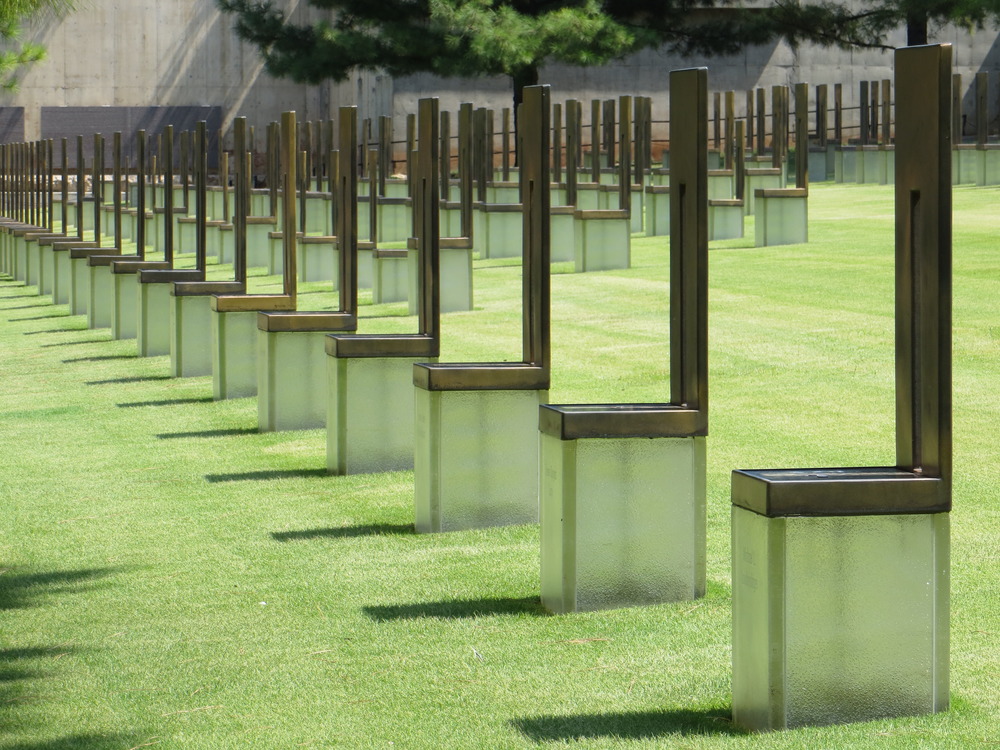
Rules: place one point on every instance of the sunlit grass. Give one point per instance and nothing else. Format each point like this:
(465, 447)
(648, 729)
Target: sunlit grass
(172, 578)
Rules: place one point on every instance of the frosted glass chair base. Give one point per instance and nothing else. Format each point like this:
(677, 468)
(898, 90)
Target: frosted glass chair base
(234, 354)
(370, 407)
(21, 260)
(781, 217)
(275, 254)
(190, 335)
(657, 210)
(31, 264)
(61, 271)
(476, 458)
(79, 286)
(838, 619)
(391, 271)
(725, 219)
(844, 163)
(258, 242)
(622, 521)
(455, 274)
(101, 297)
(46, 269)
(603, 241)
(395, 219)
(318, 260)
(291, 380)
(988, 172)
(872, 166)
(721, 184)
(818, 167)
(497, 230)
(764, 178)
(153, 319)
(563, 233)
(124, 305)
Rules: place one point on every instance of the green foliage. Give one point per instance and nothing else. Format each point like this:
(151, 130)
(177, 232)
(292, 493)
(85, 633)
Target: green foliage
(15, 54)
(516, 37)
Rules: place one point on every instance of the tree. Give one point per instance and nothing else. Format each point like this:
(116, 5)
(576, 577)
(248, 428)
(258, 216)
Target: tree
(516, 37)
(14, 54)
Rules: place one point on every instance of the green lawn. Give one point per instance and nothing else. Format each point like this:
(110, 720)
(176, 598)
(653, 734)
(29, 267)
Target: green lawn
(171, 578)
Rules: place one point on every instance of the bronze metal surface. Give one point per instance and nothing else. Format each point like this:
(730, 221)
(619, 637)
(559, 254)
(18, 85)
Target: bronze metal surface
(801, 135)
(465, 191)
(838, 114)
(595, 143)
(426, 210)
(781, 193)
(168, 276)
(141, 180)
(575, 421)
(168, 193)
(886, 112)
(289, 162)
(573, 133)
(729, 132)
(382, 345)
(982, 107)
(921, 480)
(251, 302)
(600, 214)
(201, 288)
(838, 492)
(533, 371)
(864, 104)
(739, 163)
(821, 115)
(125, 264)
(625, 153)
(923, 260)
(305, 321)
(956, 109)
(687, 412)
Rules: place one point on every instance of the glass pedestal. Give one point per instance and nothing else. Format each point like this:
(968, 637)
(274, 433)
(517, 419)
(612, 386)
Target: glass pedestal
(234, 354)
(153, 319)
(370, 407)
(622, 521)
(838, 618)
(476, 458)
(124, 305)
(291, 380)
(190, 336)
(603, 240)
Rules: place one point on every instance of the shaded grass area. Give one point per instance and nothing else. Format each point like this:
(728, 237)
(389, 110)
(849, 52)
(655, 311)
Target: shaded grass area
(171, 577)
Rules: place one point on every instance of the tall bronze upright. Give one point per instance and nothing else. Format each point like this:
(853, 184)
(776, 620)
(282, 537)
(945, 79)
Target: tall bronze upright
(840, 575)
(636, 471)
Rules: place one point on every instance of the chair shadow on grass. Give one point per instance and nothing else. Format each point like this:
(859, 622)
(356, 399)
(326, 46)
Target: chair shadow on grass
(345, 532)
(26, 307)
(230, 432)
(456, 609)
(631, 725)
(56, 330)
(130, 379)
(250, 476)
(100, 358)
(21, 590)
(38, 317)
(166, 402)
(77, 343)
(88, 742)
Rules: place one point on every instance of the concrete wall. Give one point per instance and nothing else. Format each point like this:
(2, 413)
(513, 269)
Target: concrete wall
(170, 53)
(645, 74)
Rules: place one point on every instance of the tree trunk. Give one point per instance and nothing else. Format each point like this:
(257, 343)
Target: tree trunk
(916, 29)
